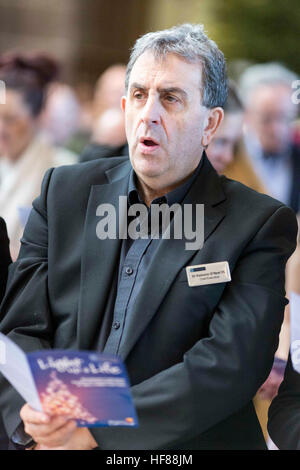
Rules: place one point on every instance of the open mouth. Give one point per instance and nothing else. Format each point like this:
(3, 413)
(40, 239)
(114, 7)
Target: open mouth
(148, 146)
(149, 142)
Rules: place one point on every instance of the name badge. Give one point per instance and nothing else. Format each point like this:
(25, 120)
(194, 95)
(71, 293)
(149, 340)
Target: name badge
(211, 273)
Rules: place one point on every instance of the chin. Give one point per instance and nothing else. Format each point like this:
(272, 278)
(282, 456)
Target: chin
(147, 168)
(149, 173)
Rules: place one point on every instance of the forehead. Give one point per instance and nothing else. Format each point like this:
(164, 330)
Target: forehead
(170, 70)
(14, 103)
(272, 97)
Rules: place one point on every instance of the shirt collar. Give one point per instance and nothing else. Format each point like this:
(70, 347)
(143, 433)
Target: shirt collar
(175, 196)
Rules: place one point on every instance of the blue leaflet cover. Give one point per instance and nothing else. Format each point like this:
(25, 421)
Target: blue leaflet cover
(89, 387)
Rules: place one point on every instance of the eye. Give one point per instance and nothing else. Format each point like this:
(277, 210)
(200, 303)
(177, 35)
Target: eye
(138, 95)
(171, 98)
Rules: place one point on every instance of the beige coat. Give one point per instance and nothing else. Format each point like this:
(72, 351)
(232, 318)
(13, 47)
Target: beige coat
(20, 182)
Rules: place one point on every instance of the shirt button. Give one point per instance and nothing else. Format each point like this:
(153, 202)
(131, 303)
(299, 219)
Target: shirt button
(128, 270)
(116, 325)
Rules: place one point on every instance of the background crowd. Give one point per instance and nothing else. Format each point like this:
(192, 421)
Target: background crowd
(49, 119)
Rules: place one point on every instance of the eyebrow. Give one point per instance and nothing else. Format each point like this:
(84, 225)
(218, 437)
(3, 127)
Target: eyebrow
(171, 89)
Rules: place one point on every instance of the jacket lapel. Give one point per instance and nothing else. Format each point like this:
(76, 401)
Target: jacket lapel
(172, 256)
(100, 258)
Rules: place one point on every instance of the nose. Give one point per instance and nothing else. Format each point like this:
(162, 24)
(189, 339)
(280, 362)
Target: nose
(151, 113)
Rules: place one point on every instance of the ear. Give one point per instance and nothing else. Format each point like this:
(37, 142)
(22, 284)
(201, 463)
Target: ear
(212, 121)
(123, 103)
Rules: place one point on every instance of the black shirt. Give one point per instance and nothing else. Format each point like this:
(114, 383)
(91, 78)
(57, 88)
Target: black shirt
(135, 258)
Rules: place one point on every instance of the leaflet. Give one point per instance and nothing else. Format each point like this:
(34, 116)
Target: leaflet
(89, 387)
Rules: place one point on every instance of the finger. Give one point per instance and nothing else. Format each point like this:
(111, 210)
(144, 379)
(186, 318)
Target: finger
(59, 437)
(30, 415)
(54, 424)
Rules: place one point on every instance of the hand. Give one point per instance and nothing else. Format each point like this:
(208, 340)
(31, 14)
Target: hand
(47, 430)
(53, 432)
(81, 439)
(269, 388)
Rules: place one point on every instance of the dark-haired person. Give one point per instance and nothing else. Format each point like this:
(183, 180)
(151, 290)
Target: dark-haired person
(5, 260)
(24, 154)
(196, 352)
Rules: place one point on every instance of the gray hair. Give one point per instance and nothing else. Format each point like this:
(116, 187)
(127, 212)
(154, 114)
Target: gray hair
(271, 73)
(190, 42)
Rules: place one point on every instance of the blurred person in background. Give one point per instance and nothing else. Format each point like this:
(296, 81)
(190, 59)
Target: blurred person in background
(284, 416)
(228, 155)
(109, 89)
(226, 151)
(108, 138)
(61, 114)
(5, 260)
(24, 154)
(270, 136)
(270, 112)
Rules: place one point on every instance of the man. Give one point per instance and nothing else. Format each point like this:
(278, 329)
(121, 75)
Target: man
(5, 260)
(108, 137)
(270, 112)
(195, 355)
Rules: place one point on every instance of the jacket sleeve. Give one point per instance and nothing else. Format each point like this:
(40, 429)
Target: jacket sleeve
(5, 258)
(284, 412)
(27, 279)
(221, 373)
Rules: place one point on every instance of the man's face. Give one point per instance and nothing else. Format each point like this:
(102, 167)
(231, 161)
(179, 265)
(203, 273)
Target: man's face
(222, 149)
(165, 120)
(269, 115)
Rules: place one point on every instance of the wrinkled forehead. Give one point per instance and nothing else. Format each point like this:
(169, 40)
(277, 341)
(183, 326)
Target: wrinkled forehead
(169, 69)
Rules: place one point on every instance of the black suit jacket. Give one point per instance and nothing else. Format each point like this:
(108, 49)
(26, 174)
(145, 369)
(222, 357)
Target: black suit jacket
(284, 412)
(5, 258)
(195, 356)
